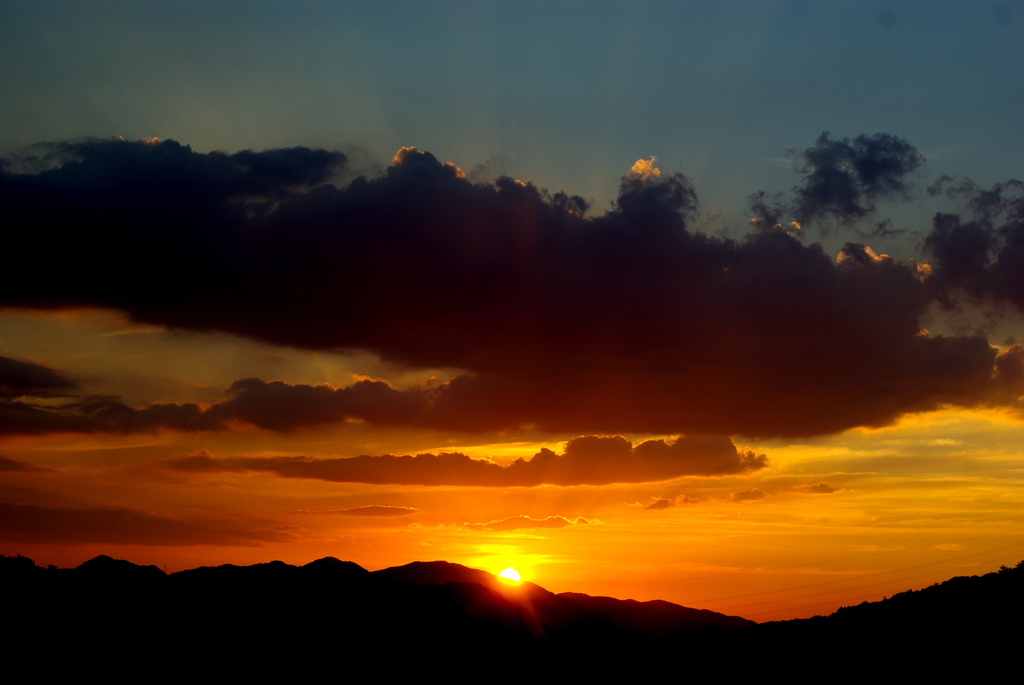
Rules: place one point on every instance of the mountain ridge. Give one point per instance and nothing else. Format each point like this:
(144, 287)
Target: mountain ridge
(422, 609)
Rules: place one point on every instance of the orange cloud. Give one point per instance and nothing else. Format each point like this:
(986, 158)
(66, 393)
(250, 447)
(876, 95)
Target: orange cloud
(753, 495)
(666, 503)
(817, 489)
(523, 522)
(644, 168)
(379, 510)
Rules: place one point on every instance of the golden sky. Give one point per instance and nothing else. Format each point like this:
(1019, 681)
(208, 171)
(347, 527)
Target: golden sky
(414, 367)
(649, 300)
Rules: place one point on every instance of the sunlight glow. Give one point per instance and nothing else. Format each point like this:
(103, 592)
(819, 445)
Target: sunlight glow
(510, 574)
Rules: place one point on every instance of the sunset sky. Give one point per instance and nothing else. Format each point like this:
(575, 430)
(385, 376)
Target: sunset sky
(720, 303)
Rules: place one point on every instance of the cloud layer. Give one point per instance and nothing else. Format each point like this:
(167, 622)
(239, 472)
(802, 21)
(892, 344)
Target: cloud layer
(625, 322)
(39, 524)
(587, 460)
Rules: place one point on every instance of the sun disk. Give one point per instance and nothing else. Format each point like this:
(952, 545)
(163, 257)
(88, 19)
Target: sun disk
(510, 574)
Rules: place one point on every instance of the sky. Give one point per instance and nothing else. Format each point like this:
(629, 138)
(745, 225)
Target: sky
(713, 302)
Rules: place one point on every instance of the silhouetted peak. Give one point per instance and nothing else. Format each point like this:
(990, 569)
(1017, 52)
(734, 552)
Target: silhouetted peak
(334, 567)
(109, 568)
(266, 572)
(436, 573)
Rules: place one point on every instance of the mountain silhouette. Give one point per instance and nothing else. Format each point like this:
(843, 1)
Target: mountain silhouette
(438, 617)
(569, 616)
(438, 573)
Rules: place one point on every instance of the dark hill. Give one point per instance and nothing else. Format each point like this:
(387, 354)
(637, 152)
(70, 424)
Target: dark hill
(329, 567)
(108, 570)
(282, 620)
(437, 573)
(967, 626)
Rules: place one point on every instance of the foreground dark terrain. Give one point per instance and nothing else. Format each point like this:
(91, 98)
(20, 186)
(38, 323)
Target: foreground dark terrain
(126, 620)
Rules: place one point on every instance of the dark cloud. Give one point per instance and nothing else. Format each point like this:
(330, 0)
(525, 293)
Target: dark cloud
(752, 495)
(597, 459)
(1002, 199)
(477, 404)
(15, 465)
(125, 223)
(36, 524)
(982, 255)
(843, 179)
(95, 414)
(279, 406)
(422, 469)
(1010, 374)
(524, 522)
(587, 460)
(160, 169)
(23, 379)
(625, 322)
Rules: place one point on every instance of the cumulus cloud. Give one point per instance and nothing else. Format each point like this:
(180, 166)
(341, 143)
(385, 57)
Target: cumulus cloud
(981, 255)
(280, 406)
(628, 322)
(845, 176)
(644, 168)
(94, 414)
(843, 179)
(587, 460)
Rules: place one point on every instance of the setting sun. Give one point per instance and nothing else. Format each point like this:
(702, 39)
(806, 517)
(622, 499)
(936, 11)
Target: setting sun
(510, 574)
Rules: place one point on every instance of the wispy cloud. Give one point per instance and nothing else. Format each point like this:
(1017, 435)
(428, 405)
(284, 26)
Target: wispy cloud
(39, 524)
(526, 522)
